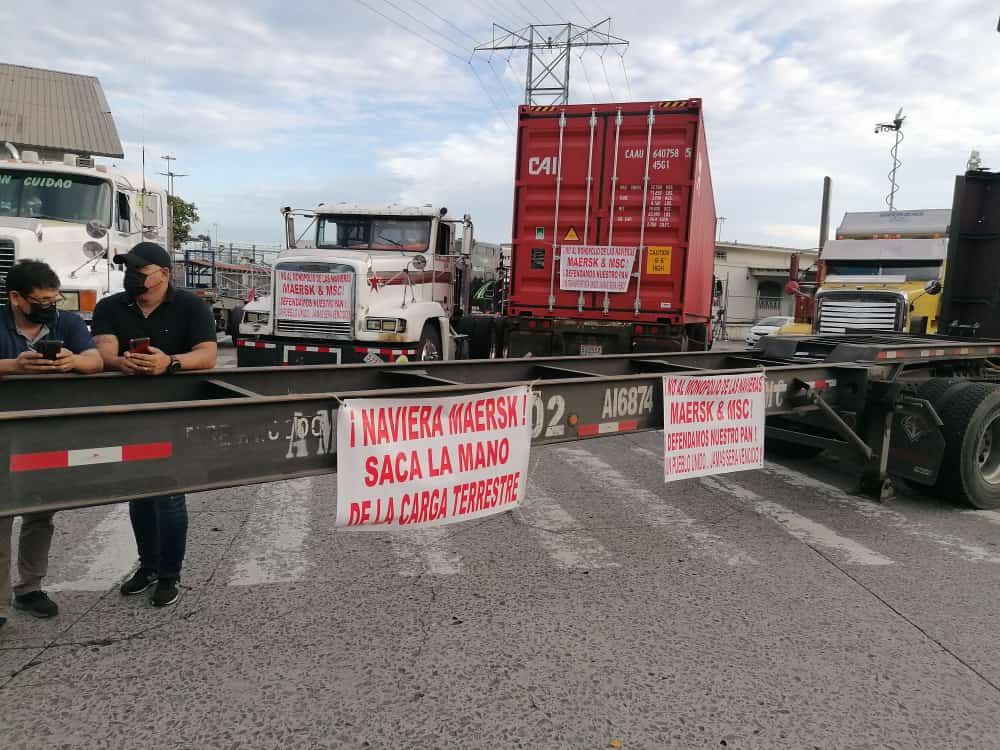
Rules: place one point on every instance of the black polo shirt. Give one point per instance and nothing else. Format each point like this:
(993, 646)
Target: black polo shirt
(180, 322)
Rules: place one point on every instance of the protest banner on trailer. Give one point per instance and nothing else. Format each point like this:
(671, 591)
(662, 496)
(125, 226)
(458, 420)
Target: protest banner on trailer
(595, 268)
(419, 462)
(712, 425)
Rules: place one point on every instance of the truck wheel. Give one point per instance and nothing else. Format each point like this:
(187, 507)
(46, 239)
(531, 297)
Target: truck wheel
(235, 318)
(483, 341)
(786, 449)
(429, 348)
(697, 335)
(970, 467)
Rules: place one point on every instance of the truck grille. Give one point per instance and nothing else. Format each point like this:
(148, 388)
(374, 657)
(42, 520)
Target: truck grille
(6, 263)
(838, 315)
(315, 330)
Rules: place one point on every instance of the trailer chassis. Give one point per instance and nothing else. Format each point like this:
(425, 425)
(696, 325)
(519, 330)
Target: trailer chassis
(75, 441)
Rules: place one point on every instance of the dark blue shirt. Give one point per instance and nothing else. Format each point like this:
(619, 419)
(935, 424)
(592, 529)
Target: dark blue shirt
(68, 328)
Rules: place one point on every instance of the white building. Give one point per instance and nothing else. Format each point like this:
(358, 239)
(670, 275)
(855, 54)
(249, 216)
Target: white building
(750, 282)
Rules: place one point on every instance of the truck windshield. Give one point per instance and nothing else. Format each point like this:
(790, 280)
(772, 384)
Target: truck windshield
(53, 195)
(369, 233)
(912, 270)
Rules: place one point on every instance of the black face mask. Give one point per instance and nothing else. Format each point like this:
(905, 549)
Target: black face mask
(135, 282)
(43, 314)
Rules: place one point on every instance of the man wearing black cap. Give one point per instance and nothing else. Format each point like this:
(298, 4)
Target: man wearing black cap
(153, 329)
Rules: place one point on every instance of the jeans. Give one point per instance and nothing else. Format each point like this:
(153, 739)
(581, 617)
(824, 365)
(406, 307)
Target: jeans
(160, 525)
(32, 555)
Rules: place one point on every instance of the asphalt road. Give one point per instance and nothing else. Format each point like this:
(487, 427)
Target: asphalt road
(765, 609)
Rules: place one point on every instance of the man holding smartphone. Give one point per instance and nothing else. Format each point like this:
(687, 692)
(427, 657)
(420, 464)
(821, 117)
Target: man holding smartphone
(154, 329)
(36, 337)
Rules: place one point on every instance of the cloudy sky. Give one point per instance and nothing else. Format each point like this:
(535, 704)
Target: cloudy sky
(268, 103)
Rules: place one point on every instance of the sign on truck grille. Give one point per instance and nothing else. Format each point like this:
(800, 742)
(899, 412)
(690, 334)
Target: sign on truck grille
(312, 296)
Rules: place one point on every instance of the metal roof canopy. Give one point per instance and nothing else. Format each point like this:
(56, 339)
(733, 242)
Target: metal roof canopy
(54, 111)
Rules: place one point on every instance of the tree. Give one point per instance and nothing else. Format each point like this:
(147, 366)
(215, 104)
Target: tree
(184, 215)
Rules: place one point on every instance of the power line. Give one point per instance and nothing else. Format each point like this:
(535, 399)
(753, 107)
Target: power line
(406, 28)
(628, 83)
(442, 18)
(530, 12)
(580, 11)
(607, 80)
(586, 75)
(496, 106)
(503, 85)
(422, 23)
(448, 52)
(557, 14)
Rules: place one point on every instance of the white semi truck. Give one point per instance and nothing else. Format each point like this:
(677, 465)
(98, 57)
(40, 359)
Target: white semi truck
(76, 216)
(376, 284)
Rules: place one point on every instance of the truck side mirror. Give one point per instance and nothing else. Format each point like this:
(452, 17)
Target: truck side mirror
(289, 228)
(933, 287)
(419, 262)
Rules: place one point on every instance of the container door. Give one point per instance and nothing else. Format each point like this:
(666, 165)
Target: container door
(556, 196)
(658, 229)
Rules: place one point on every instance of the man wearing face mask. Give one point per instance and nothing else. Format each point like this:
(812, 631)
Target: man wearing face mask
(180, 330)
(29, 318)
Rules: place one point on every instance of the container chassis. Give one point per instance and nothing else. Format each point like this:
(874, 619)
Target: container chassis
(925, 409)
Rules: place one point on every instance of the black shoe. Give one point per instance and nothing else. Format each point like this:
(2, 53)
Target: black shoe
(141, 580)
(3, 621)
(166, 592)
(37, 604)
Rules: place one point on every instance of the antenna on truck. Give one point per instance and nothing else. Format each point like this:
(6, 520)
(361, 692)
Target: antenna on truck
(895, 126)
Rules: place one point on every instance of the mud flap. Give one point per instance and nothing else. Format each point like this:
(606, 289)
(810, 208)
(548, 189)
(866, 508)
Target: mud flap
(917, 445)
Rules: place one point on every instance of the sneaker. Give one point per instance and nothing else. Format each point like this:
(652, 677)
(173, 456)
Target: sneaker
(141, 580)
(37, 604)
(166, 592)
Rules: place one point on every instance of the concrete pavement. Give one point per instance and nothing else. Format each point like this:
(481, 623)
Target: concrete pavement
(765, 609)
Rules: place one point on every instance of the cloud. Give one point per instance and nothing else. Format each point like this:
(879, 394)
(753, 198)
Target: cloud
(268, 104)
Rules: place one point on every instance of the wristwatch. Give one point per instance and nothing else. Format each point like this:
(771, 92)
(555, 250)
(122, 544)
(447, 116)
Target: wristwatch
(174, 366)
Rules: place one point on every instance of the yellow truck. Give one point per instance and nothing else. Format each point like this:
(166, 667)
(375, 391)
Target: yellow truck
(883, 272)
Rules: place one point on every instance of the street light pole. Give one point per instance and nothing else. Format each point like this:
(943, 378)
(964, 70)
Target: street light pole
(719, 222)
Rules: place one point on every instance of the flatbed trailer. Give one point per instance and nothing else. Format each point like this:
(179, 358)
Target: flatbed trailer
(922, 408)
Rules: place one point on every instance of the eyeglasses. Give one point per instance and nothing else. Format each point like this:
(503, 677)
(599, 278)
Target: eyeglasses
(48, 302)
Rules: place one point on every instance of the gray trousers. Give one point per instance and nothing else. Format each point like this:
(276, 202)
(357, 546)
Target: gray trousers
(32, 555)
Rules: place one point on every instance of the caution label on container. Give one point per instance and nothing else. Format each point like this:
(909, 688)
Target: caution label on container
(658, 260)
(571, 235)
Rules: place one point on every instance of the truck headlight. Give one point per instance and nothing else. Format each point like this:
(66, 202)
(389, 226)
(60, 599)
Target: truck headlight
(93, 249)
(256, 317)
(393, 325)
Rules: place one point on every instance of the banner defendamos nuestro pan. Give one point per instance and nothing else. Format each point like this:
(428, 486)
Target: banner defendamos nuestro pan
(595, 268)
(712, 425)
(412, 463)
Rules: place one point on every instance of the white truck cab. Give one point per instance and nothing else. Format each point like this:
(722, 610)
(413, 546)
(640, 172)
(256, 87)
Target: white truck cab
(375, 284)
(76, 216)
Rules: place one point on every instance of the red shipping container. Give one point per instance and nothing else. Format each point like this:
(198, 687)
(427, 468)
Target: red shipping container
(581, 181)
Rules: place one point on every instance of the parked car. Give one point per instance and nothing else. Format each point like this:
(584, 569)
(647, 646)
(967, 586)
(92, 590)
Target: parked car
(766, 327)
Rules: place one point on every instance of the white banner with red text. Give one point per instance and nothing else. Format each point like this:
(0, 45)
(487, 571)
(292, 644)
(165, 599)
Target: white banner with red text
(595, 268)
(712, 425)
(419, 462)
(308, 296)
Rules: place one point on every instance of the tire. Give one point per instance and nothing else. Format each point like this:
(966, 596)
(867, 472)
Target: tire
(786, 449)
(483, 342)
(970, 467)
(697, 335)
(429, 347)
(235, 318)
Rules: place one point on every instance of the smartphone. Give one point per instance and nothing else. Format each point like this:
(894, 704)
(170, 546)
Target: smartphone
(139, 346)
(49, 349)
